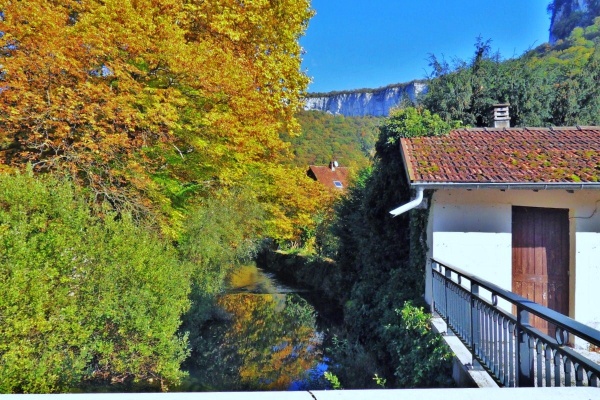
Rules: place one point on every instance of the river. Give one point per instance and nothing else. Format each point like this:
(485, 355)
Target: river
(268, 338)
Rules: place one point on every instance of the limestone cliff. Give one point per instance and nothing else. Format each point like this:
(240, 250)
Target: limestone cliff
(360, 103)
(565, 15)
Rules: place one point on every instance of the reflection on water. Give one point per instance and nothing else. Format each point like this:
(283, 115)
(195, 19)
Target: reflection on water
(267, 341)
(250, 279)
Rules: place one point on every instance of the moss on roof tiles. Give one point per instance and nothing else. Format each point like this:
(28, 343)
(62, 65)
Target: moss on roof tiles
(507, 155)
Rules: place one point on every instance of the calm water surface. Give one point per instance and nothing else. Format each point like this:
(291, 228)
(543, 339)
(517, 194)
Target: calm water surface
(266, 339)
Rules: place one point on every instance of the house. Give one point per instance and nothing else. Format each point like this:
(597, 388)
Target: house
(518, 207)
(332, 176)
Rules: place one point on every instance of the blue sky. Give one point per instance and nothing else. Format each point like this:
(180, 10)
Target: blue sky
(353, 44)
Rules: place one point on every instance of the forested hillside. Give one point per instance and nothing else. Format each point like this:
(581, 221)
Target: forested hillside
(550, 85)
(350, 140)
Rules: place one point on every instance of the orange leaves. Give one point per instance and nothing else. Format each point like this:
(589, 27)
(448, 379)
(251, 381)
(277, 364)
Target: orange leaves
(93, 86)
(69, 74)
(292, 199)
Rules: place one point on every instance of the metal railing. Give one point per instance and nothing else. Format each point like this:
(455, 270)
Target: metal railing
(514, 352)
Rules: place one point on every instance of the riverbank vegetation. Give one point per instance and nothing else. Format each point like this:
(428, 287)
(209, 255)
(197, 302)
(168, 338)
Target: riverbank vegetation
(88, 295)
(140, 161)
(375, 263)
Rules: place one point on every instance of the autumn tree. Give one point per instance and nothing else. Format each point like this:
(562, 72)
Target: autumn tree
(292, 201)
(74, 100)
(137, 97)
(168, 111)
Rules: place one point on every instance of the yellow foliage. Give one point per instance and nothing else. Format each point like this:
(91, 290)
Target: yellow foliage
(88, 84)
(292, 199)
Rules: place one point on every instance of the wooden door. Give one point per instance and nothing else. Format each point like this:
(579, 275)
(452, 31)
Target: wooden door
(540, 258)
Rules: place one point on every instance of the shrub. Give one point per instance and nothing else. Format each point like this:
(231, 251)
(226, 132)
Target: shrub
(421, 357)
(84, 297)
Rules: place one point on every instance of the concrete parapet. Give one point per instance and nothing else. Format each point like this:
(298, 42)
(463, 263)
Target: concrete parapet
(560, 393)
(466, 371)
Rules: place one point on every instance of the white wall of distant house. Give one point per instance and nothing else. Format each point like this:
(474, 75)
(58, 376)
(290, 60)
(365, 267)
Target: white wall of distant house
(472, 229)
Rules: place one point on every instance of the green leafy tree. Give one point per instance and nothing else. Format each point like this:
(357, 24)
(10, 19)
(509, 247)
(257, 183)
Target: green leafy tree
(550, 85)
(588, 91)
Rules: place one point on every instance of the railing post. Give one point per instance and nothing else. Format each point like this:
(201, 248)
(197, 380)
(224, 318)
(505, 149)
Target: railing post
(525, 375)
(432, 272)
(474, 317)
(448, 275)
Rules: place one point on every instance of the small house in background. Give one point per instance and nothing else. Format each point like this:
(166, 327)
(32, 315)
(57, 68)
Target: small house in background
(332, 176)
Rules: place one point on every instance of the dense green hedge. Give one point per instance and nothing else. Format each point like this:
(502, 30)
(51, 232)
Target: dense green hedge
(85, 296)
(383, 261)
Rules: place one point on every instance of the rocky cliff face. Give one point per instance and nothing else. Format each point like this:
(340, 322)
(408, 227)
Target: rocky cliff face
(565, 15)
(376, 102)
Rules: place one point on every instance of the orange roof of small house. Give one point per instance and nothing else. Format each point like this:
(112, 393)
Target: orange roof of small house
(327, 176)
(505, 156)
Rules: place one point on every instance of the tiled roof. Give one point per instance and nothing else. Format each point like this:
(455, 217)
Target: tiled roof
(505, 155)
(326, 176)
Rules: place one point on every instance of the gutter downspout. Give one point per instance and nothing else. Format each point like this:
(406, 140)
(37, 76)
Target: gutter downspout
(410, 205)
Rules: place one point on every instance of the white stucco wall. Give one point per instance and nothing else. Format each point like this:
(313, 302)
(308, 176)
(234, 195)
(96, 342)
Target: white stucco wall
(472, 231)
(587, 278)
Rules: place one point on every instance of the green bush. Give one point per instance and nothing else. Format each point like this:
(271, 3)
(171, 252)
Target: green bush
(219, 233)
(353, 367)
(420, 355)
(84, 298)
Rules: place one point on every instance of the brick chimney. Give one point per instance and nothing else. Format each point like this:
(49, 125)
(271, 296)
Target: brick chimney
(501, 116)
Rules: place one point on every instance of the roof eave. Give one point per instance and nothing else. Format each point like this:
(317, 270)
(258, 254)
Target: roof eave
(508, 185)
(404, 152)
